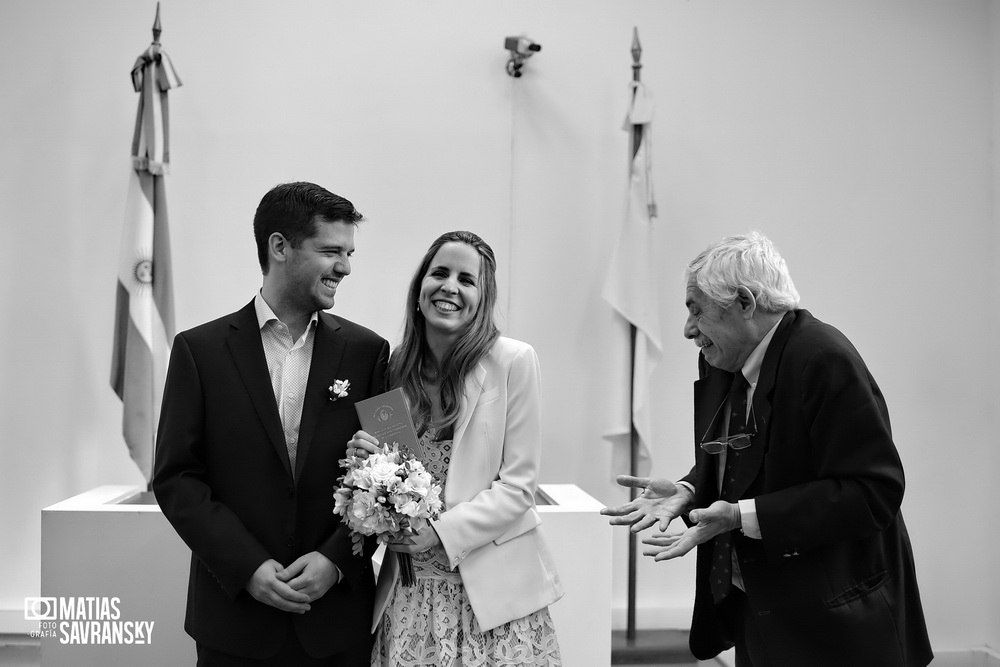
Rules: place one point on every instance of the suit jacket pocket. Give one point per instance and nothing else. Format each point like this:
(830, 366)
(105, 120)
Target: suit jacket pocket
(341, 404)
(528, 521)
(488, 396)
(866, 587)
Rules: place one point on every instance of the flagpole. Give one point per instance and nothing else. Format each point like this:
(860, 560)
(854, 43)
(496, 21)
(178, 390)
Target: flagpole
(660, 646)
(636, 135)
(157, 28)
(157, 31)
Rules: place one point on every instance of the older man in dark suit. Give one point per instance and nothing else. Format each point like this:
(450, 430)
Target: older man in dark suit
(250, 433)
(793, 502)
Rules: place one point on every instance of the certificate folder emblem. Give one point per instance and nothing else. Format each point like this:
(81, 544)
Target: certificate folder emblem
(388, 419)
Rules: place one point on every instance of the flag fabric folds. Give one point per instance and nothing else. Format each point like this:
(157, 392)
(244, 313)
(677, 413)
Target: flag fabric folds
(144, 313)
(631, 287)
(153, 76)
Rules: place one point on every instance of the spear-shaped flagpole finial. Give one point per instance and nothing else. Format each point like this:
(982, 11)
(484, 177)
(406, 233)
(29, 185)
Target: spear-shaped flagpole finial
(636, 54)
(156, 25)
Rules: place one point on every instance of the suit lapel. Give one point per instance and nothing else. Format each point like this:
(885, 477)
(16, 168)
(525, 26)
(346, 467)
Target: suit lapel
(473, 388)
(248, 356)
(328, 350)
(709, 394)
(752, 458)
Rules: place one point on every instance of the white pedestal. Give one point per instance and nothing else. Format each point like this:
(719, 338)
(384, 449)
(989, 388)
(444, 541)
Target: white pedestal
(105, 544)
(100, 545)
(580, 541)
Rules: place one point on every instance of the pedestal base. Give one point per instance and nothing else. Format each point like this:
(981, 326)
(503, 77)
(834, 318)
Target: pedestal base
(651, 647)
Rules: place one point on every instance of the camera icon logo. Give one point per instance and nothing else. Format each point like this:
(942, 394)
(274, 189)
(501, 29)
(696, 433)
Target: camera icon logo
(40, 609)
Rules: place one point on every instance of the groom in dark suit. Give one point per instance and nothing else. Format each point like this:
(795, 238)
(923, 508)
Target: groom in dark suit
(250, 433)
(793, 503)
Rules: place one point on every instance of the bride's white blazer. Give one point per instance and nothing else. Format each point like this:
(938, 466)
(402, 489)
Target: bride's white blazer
(489, 529)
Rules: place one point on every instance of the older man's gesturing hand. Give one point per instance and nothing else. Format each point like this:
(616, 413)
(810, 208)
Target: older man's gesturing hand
(719, 517)
(660, 501)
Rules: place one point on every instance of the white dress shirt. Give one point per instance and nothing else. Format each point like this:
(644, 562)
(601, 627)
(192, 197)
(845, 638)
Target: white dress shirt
(288, 365)
(751, 371)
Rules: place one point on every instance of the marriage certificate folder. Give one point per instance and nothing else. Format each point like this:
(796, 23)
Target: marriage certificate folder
(387, 418)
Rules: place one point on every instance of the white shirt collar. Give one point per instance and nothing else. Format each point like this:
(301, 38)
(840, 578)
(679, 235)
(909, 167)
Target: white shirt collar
(751, 368)
(265, 314)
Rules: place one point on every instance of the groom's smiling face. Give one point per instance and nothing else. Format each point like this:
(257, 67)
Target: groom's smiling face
(317, 266)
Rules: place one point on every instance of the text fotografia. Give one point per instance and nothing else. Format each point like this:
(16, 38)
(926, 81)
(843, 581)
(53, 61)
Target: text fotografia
(85, 620)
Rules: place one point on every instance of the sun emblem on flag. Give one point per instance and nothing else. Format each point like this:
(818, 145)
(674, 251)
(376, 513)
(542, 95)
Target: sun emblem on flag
(142, 271)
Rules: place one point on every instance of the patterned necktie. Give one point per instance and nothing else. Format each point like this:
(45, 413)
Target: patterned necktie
(721, 576)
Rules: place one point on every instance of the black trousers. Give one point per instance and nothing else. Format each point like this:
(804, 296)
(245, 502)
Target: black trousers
(744, 632)
(291, 654)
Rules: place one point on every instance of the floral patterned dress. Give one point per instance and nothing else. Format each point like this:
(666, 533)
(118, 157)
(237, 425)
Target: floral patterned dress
(432, 624)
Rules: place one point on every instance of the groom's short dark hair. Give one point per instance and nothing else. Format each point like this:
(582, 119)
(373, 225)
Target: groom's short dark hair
(293, 209)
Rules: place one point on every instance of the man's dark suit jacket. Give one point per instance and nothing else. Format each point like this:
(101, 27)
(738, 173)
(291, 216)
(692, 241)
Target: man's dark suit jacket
(222, 478)
(832, 582)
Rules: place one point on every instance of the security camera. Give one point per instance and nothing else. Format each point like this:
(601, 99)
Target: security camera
(521, 46)
(520, 49)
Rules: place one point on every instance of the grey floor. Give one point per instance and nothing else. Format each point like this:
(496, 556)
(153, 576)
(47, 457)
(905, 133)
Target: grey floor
(19, 651)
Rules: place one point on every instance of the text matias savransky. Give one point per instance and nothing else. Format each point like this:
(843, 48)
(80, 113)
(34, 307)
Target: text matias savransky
(91, 620)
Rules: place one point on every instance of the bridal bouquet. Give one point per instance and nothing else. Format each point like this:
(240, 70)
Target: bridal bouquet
(388, 494)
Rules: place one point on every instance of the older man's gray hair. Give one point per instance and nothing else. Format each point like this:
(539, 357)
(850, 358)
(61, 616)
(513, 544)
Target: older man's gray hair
(751, 261)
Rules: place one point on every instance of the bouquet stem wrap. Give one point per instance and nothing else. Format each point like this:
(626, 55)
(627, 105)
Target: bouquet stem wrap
(406, 574)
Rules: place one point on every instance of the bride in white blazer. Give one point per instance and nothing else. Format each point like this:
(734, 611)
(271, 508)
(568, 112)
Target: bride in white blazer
(484, 577)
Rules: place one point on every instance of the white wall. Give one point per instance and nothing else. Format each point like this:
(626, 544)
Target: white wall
(857, 134)
(992, 455)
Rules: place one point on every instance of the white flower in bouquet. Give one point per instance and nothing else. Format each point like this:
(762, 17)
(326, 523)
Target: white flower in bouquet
(406, 507)
(420, 481)
(383, 471)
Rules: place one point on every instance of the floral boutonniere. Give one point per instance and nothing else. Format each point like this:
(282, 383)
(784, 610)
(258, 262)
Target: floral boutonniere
(339, 389)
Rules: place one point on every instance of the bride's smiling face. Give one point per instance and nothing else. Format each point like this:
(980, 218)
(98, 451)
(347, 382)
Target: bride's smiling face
(450, 290)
